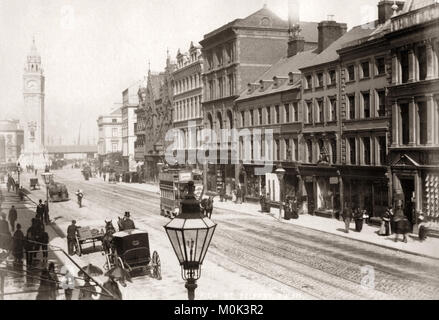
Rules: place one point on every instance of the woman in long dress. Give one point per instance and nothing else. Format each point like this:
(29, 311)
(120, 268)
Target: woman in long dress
(402, 224)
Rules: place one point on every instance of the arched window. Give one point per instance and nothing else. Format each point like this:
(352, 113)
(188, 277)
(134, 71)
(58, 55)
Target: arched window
(309, 151)
(229, 119)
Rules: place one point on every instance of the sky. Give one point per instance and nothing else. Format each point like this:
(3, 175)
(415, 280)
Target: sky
(93, 49)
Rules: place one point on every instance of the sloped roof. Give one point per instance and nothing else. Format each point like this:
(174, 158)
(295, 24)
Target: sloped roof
(309, 29)
(116, 112)
(330, 54)
(281, 69)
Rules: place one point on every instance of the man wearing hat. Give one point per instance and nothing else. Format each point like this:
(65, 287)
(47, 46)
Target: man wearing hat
(71, 236)
(127, 223)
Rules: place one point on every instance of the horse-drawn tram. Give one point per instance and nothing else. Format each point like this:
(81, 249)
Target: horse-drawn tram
(130, 250)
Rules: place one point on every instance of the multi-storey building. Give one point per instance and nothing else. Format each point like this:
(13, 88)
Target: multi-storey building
(130, 103)
(110, 134)
(154, 120)
(11, 141)
(188, 96)
(235, 55)
(413, 95)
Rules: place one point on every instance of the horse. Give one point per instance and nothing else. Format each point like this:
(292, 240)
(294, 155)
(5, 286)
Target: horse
(207, 207)
(108, 237)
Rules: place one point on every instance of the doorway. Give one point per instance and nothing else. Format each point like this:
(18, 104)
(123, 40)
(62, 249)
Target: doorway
(408, 188)
(309, 187)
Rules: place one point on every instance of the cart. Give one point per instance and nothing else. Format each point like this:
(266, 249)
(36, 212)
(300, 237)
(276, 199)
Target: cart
(130, 250)
(34, 184)
(86, 235)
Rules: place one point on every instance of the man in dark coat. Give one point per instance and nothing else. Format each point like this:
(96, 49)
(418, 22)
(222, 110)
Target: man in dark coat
(40, 211)
(5, 234)
(127, 223)
(46, 217)
(71, 237)
(18, 241)
(30, 243)
(12, 218)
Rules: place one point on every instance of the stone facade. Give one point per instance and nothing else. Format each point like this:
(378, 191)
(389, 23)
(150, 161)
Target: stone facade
(11, 141)
(110, 135)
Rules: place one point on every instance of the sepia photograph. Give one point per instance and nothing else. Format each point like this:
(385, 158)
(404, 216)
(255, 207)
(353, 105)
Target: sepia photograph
(219, 150)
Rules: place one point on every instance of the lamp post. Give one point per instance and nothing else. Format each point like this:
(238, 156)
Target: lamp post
(18, 171)
(190, 234)
(280, 172)
(47, 177)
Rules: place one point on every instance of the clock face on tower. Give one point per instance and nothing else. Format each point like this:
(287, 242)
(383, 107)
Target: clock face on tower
(31, 84)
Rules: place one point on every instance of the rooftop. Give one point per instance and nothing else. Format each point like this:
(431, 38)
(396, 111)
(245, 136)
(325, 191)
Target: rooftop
(73, 149)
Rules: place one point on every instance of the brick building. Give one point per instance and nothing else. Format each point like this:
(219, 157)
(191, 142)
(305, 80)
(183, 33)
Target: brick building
(235, 55)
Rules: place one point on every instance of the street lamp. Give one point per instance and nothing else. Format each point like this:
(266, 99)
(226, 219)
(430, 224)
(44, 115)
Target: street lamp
(280, 172)
(18, 171)
(190, 234)
(47, 177)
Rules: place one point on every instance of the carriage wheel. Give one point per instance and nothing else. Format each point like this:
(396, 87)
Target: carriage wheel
(156, 266)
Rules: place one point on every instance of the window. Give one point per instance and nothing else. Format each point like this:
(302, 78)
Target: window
(351, 99)
(295, 112)
(334, 151)
(332, 77)
(114, 120)
(309, 112)
(277, 149)
(366, 150)
(114, 147)
(309, 82)
(382, 150)
(296, 149)
(287, 156)
(352, 150)
(242, 118)
(268, 115)
(309, 151)
(380, 66)
(251, 118)
(221, 87)
(211, 90)
(365, 69)
(220, 57)
(405, 123)
(333, 106)
(381, 103)
(366, 104)
(276, 114)
(231, 84)
(321, 111)
(404, 66)
(260, 116)
(351, 73)
(320, 80)
(287, 113)
(422, 60)
(114, 132)
(422, 113)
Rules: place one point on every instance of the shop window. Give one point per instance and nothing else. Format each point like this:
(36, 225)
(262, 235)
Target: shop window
(405, 128)
(366, 104)
(404, 66)
(366, 150)
(380, 66)
(352, 151)
(351, 100)
(422, 60)
(365, 70)
(381, 110)
(351, 72)
(422, 113)
(382, 145)
(287, 113)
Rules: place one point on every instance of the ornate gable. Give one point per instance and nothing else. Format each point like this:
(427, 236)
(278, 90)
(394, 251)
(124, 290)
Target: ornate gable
(405, 161)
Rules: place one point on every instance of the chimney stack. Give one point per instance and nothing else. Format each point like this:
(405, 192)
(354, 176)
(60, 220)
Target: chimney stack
(296, 44)
(385, 9)
(330, 31)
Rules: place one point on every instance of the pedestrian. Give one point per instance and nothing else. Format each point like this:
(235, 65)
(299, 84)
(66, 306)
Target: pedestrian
(402, 224)
(71, 237)
(105, 176)
(46, 213)
(88, 291)
(5, 234)
(36, 172)
(30, 243)
(359, 220)
(48, 284)
(44, 240)
(8, 184)
(347, 217)
(294, 208)
(386, 229)
(112, 286)
(12, 217)
(40, 211)
(18, 242)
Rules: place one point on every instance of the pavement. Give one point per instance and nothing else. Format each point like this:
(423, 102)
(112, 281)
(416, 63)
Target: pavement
(428, 248)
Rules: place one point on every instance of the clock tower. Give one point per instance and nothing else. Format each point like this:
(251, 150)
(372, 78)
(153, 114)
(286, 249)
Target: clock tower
(33, 114)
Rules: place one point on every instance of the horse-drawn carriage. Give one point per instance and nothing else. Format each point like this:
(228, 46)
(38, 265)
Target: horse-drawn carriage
(34, 184)
(130, 250)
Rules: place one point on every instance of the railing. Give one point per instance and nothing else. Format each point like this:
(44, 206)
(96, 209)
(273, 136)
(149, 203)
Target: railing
(415, 17)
